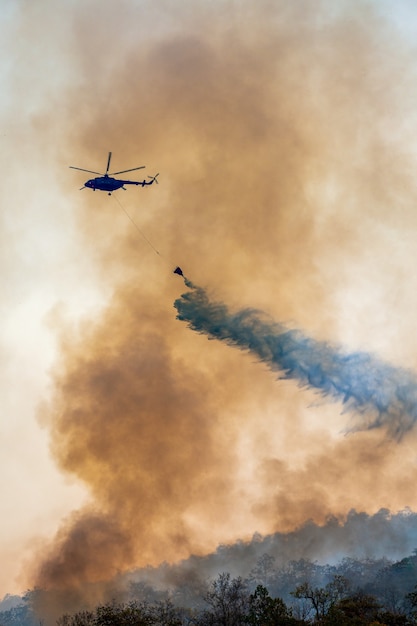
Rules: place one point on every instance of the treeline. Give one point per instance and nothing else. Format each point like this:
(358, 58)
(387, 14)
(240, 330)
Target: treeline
(353, 592)
(229, 603)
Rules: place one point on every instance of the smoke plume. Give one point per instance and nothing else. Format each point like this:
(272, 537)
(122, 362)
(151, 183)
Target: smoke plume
(287, 184)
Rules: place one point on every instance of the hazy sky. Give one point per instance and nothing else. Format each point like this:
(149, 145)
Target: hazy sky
(284, 135)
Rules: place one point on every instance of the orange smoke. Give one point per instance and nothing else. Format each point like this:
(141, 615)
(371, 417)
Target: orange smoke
(270, 127)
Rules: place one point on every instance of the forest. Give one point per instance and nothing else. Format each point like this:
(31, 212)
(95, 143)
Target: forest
(351, 592)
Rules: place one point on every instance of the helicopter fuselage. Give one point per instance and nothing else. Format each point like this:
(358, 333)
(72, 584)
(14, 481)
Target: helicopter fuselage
(106, 182)
(109, 184)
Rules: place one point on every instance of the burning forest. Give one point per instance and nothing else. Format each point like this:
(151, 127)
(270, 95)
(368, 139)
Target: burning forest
(263, 411)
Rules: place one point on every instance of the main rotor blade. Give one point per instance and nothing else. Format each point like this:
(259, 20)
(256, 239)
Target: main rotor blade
(131, 170)
(108, 164)
(82, 170)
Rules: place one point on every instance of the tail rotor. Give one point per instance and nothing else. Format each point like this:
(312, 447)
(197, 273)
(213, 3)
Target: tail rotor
(153, 179)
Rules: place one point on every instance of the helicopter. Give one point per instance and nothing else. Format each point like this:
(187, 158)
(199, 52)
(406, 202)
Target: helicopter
(105, 182)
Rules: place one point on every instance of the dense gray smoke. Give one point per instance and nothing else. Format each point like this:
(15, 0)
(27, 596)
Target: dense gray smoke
(384, 395)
